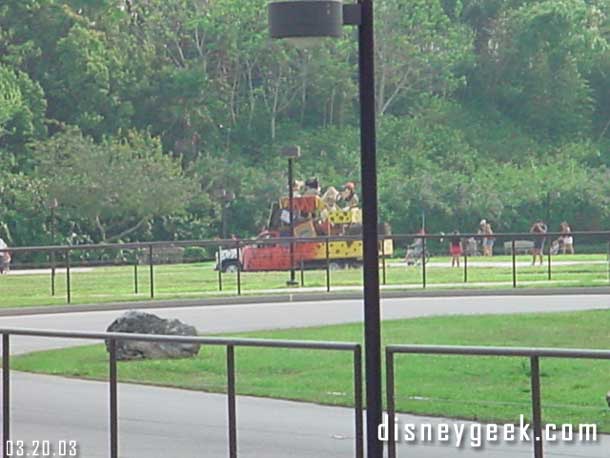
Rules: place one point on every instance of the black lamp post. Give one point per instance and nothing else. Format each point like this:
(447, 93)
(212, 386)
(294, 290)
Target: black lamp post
(303, 21)
(53, 204)
(292, 153)
(549, 196)
(225, 197)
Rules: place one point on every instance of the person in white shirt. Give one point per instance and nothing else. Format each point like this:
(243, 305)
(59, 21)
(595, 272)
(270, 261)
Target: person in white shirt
(567, 241)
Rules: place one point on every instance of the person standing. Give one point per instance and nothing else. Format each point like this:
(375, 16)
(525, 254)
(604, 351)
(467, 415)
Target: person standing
(297, 188)
(312, 187)
(481, 231)
(415, 251)
(455, 249)
(487, 241)
(349, 195)
(538, 228)
(567, 241)
(490, 239)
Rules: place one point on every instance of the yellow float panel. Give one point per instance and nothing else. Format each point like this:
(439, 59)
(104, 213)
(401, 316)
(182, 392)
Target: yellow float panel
(351, 216)
(348, 250)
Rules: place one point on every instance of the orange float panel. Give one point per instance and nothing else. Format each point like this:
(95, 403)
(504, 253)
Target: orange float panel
(304, 204)
(277, 257)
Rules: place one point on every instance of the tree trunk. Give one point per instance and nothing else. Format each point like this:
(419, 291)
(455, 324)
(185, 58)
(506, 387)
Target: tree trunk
(303, 92)
(251, 96)
(273, 126)
(101, 228)
(331, 108)
(128, 231)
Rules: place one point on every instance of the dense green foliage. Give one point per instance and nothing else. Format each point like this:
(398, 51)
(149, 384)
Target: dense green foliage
(133, 115)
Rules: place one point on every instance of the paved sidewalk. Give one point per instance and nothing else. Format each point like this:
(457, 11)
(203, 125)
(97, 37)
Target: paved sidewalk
(500, 264)
(164, 422)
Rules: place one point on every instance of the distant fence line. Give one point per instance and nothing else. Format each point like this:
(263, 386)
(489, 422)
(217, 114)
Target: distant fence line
(151, 254)
(333, 238)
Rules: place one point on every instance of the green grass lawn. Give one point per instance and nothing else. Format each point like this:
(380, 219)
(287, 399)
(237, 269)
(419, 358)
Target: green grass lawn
(109, 284)
(482, 388)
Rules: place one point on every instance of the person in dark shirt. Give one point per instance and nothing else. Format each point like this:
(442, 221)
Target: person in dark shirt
(539, 227)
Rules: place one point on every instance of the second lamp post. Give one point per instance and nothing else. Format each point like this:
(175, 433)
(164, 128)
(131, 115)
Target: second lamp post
(292, 153)
(305, 21)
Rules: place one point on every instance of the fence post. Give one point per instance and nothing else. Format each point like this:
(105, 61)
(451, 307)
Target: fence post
(383, 259)
(423, 263)
(358, 401)
(514, 255)
(238, 269)
(112, 373)
(151, 262)
(68, 285)
(302, 273)
(53, 273)
(219, 266)
(231, 401)
(6, 395)
(135, 271)
(536, 408)
(465, 268)
(608, 261)
(389, 377)
(327, 266)
(549, 261)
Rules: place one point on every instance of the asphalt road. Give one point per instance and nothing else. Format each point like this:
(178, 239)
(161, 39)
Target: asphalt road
(227, 319)
(160, 422)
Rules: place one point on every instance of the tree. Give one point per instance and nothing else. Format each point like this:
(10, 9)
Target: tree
(21, 219)
(22, 107)
(87, 94)
(118, 185)
(536, 70)
(419, 50)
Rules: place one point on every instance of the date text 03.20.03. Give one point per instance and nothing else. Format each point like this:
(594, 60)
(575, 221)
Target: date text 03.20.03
(42, 448)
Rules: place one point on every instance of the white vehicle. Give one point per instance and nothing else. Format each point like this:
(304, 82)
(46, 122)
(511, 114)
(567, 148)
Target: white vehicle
(226, 260)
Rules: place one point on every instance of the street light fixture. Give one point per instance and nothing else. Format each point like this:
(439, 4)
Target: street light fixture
(304, 20)
(292, 153)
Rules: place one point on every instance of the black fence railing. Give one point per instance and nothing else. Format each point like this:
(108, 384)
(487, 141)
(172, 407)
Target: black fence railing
(534, 355)
(411, 260)
(230, 345)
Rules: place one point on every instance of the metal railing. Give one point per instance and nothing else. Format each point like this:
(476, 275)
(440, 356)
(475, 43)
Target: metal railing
(229, 343)
(534, 354)
(151, 253)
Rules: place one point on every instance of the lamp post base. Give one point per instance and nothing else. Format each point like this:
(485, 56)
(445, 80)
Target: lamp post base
(292, 283)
